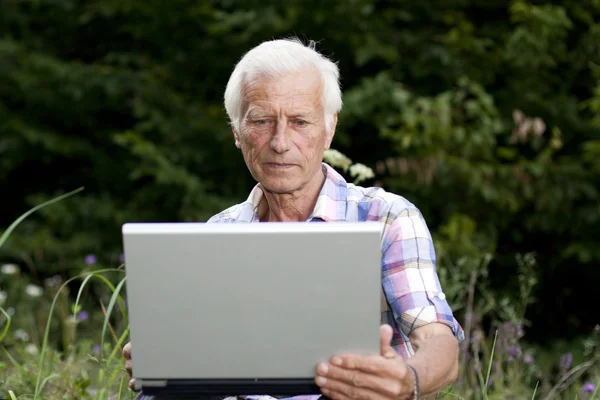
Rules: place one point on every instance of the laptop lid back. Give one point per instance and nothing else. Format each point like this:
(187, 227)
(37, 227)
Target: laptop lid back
(250, 301)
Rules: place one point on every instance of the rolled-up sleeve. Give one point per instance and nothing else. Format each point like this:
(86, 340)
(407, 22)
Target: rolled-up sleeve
(409, 278)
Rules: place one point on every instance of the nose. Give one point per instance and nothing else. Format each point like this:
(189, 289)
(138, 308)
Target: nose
(281, 140)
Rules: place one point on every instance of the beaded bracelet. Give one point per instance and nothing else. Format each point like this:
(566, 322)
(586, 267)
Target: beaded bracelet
(416, 395)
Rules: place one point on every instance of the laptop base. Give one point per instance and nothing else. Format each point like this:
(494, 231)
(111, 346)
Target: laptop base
(198, 388)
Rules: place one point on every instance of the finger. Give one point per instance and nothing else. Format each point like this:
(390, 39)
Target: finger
(385, 346)
(340, 391)
(132, 384)
(376, 365)
(127, 351)
(334, 377)
(129, 367)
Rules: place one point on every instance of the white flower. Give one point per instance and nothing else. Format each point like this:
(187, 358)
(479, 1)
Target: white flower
(361, 172)
(337, 159)
(33, 290)
(22, 335)
(31, 349)
(10, 269)
(3, 297)
(10, 311)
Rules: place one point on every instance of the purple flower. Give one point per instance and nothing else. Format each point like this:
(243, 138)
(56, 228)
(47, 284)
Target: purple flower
(509, 327)
(514, 352)
(122, 257)
(589, 387)
(565, 361)
(520, 332)
(96, 348)
(528, 359)
(90, 259)
(82, 316)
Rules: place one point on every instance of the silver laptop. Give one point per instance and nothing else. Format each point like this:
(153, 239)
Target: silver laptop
(226, 309)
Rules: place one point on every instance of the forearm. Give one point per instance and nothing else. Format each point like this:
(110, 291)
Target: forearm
(436, 362)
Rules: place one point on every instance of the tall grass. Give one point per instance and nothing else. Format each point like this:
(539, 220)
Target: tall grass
(107, 373)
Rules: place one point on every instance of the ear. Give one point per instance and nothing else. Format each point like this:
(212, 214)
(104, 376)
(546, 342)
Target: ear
(236, 136)
(331, 131)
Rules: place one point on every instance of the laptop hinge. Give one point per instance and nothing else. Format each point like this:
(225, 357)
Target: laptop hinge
(139, 383)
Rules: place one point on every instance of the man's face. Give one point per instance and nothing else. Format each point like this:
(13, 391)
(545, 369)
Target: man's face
(282, 132)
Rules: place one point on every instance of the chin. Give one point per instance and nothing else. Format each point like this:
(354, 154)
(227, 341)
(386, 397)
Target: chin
(279, 187)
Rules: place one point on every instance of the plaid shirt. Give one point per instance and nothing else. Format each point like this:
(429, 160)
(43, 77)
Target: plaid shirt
(411, 295)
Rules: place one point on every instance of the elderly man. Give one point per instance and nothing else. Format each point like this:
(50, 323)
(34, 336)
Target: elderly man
(283, 100)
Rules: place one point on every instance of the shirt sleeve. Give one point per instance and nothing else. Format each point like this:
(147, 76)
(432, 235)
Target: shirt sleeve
(409, 279)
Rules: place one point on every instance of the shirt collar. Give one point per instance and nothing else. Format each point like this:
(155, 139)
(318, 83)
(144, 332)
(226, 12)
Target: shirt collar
(330, 205)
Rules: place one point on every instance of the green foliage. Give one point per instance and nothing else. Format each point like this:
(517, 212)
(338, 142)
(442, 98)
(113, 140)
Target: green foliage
(486, 115)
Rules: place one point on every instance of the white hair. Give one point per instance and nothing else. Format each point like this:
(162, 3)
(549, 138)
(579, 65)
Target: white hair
(275, 59)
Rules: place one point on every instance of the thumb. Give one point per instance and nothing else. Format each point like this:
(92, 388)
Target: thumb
(385, 345)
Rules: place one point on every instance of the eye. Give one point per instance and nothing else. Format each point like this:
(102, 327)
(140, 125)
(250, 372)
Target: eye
(301, 122)
(260, 122)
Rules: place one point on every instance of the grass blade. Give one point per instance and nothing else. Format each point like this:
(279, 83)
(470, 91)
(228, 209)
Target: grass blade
(52, 376)
(451, 395)
(12, 226)
(113, 354)
(595, 391)
(535, 390)
(7, 324)
(16, 364)
(119, 345)
(487, 378)
(111, 304)
(12, 395)
(120, 300)
(575, 373)
(76, 305)
(120, 388)
(479, 374)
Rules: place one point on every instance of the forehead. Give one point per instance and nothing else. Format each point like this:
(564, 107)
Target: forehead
(295, 91)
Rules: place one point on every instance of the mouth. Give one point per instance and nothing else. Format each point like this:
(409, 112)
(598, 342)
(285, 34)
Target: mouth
(279, 165)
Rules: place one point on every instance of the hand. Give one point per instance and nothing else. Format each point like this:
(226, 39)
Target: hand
(128, 363)
(375, 377)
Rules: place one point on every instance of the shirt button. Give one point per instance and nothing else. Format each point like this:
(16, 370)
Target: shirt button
(441, 296)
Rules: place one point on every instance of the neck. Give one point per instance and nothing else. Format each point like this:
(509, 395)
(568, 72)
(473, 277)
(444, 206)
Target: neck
(291, 207)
